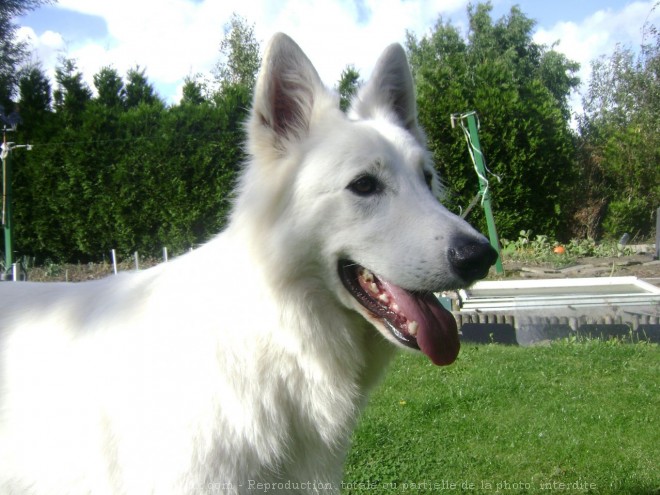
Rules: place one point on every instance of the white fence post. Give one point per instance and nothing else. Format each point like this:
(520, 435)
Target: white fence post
(114, 261)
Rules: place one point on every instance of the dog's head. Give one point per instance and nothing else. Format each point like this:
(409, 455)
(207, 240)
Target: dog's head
(356, 198)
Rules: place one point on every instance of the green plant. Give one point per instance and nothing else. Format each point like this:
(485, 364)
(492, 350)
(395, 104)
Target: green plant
(541, 249)
(526, 248)
(525, 243)
(52, 269)
(588, 247)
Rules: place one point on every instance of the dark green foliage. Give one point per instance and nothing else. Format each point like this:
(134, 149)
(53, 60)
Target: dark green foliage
(519, 90)
(117, 168)
(620, 142)
(72, 94)
(110, 88)
(12, 52)
(347, 86)
(120, 170)
(34, 94)
(193, 92)
(138, 90)
(129, 175)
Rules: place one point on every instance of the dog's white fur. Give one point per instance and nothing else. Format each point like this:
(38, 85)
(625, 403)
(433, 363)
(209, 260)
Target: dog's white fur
(243, 365)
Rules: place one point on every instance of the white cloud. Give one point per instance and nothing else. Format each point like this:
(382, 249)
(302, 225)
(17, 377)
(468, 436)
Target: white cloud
(598, 35)
(169, 38)
(47, 43)
(175, 38)
(46, 47)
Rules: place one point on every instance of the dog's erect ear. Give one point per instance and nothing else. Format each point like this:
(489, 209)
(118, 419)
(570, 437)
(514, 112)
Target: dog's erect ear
(390, 89)
(285, 92)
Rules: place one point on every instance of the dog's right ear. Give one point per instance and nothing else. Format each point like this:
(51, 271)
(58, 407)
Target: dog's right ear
(391, 90)
(284, 96)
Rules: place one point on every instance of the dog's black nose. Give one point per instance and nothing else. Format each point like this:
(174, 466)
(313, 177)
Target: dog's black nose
(471, 258)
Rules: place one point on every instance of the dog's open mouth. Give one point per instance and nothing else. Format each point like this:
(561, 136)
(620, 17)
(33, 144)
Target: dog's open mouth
(415, 319)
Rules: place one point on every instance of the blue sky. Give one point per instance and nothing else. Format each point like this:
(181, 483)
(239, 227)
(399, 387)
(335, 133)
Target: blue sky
(175, 38)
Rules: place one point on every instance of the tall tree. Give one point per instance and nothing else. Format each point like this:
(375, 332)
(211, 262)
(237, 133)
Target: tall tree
(12, 52)
(193, 91)
(35, 93)
(32, 169)
(110, 88)
(519, 90)
(619, 133)
(72, 93)
(122, 170)
(348, 84)
(139, 89)
(239, 50)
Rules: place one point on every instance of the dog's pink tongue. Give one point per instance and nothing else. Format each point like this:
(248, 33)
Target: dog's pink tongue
(437, 334)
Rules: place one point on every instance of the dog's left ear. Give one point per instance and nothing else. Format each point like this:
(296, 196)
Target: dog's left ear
(284, 97)
(390, 89)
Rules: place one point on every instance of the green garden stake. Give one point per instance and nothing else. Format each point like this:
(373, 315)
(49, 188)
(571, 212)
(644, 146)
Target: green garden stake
(474, 148)
(6, 203)
(6, 220)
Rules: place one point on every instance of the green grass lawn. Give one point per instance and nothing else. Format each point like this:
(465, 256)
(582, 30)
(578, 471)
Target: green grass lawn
(565, 418)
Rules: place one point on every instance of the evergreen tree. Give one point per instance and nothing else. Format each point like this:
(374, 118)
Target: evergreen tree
(72, 94)
(35, 94)
(110, 88)
(349, 82)
(519, 90)
(139, 90)
(192, 92)
(12, 53)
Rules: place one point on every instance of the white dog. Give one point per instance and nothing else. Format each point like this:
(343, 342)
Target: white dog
(242, 367)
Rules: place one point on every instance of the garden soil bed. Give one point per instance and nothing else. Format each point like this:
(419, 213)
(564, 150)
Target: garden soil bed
(642, 266)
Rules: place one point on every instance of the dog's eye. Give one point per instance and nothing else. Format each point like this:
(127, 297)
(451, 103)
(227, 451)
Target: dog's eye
(366, 185)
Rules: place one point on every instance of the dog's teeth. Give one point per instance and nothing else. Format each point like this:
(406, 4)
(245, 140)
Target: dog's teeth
(413, 326)
(373, 288)
(366, 275)
(395, 307)
(384, 298)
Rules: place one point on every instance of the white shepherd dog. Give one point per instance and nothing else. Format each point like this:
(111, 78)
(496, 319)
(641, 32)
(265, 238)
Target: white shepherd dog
(242, 367)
